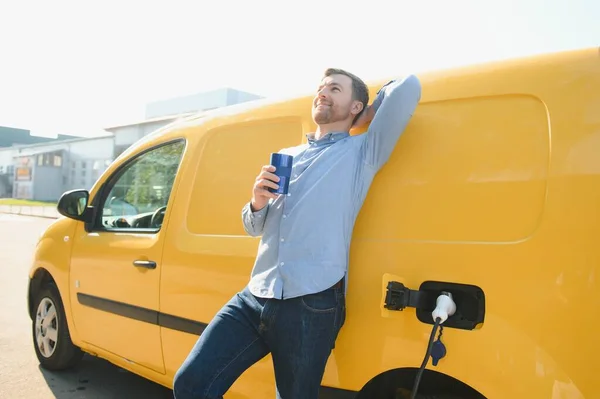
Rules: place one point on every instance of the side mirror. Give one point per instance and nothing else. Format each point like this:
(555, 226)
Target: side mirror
(73, 204)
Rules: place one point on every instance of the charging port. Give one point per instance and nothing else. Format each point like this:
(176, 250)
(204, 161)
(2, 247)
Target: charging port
(469, 299)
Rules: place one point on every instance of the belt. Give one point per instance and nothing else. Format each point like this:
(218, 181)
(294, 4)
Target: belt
(339, 284)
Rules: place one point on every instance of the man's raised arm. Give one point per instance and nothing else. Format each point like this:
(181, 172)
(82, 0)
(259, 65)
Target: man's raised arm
(393, 107)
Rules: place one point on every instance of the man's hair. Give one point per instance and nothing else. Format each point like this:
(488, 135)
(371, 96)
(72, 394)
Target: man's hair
(360, 90)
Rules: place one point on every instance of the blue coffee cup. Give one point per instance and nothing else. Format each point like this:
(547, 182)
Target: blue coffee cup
(283, 169)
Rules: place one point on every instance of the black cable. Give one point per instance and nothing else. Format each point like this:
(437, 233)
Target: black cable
(413, 394)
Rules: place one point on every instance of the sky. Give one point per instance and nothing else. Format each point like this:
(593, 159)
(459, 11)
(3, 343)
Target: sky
(76, 68)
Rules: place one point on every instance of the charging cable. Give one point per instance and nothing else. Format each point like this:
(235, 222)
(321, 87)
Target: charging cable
(444, 308)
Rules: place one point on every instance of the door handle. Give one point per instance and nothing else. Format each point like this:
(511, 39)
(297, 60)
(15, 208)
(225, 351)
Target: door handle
(148, 264)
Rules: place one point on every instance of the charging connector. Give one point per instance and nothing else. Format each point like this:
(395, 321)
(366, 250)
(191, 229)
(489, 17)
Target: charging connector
(445, 307)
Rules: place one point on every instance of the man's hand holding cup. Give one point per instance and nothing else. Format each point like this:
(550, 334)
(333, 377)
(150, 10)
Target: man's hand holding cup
(260, 193)
(273, 180)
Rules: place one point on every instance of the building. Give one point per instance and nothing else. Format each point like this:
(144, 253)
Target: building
(6, 173)
(10, 136)
(43, 171)
(10, 140)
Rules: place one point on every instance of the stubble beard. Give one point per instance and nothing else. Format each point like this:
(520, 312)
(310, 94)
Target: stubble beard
(325, 117)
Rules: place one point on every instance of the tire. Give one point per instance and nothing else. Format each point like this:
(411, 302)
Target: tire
(51, 338)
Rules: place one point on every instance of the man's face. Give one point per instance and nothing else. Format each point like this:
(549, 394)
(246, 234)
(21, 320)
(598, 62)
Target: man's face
(333, 102)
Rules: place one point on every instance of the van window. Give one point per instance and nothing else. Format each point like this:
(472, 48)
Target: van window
(229, 163)
(139, 193)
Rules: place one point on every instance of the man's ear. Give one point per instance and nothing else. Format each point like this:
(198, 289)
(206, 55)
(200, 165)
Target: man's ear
(357, 107)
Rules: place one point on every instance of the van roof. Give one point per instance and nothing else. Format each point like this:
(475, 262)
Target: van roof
(200, 117)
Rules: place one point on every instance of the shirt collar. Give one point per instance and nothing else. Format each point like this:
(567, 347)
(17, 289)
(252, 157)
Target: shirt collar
(329, 138)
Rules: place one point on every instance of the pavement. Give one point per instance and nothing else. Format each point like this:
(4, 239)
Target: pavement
(20, 374)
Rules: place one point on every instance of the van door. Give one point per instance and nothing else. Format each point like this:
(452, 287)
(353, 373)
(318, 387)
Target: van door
(115, 267)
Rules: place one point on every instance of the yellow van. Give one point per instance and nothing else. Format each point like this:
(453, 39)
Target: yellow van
(492, 194)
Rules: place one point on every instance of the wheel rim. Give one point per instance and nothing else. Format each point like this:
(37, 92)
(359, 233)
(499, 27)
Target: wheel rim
(46, 327)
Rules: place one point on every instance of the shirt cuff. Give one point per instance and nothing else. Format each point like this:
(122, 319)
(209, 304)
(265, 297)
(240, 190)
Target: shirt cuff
(381, 93)
(258, 214)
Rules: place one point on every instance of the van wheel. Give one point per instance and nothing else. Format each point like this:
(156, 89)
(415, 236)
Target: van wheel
(51, 339)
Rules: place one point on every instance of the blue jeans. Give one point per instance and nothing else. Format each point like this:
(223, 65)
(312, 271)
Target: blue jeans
(299, 333)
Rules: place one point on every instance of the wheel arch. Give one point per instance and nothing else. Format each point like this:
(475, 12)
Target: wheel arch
(40, 278)
(398, 383)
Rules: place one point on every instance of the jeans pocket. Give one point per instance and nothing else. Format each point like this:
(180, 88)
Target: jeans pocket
(321, 302)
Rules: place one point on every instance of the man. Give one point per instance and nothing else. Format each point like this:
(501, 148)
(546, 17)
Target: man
(294, 305)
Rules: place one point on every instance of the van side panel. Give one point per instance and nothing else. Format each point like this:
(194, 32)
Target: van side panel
(465, 164)
(496, 183)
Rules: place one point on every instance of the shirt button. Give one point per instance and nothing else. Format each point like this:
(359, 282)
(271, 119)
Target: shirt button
(282, 240)
(284, 216)
(281, 263)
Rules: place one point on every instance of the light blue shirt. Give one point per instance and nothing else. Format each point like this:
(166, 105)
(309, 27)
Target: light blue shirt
(306, 234)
